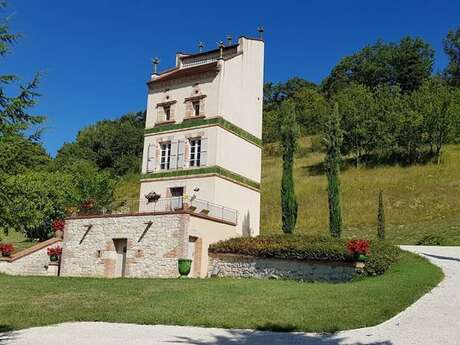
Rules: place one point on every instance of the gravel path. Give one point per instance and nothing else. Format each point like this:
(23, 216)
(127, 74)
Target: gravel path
(432, 320)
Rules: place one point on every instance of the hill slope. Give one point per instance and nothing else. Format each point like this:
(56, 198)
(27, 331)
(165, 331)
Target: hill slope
(419, 200)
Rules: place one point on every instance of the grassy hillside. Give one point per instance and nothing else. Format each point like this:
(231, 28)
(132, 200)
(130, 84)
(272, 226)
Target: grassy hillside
(419, 200)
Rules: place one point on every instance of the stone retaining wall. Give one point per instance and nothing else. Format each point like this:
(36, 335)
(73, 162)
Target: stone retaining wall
(32, 261)
(240, 266)
(154, 243)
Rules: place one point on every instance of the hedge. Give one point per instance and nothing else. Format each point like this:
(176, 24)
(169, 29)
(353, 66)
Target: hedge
(315, 248)
(215, 169)
(219, 121)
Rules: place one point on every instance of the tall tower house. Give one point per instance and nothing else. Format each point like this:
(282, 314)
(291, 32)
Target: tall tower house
(203, 136)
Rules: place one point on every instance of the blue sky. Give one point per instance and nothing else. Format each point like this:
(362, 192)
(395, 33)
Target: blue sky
(96, 54)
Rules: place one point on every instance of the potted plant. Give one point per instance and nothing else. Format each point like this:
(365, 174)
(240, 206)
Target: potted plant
(58, 227)
(184, 266)
(152, 197)
(7, 249)
(54, 253)
(359, 249)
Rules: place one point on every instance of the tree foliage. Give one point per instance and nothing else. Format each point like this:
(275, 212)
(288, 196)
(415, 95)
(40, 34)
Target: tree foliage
(333, 140)
(289, 135)
(274, 95)
(14, 109)
(34, 199)
(112, 145)
(19, 154)
(451, 46)
(406, 64)
(435, 114)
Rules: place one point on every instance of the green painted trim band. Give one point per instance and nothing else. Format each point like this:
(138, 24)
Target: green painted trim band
(205, 170)
(219, 121)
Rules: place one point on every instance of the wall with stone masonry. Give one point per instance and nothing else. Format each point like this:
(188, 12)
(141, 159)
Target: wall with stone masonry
(151, 252)
(32, 261)
(239, 266)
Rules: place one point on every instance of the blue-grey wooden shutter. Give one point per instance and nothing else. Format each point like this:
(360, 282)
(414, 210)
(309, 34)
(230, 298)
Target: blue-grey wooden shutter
(204, 152)
(151, 158)
(173, 156)
(180, 154)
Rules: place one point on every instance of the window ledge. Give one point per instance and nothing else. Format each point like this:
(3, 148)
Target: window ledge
(164, 104)
(194, 98)
(188, 118)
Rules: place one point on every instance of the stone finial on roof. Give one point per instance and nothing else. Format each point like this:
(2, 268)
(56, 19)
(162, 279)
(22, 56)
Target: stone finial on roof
(261, 30)
(221, 47)
(155, 62)
(229, 40)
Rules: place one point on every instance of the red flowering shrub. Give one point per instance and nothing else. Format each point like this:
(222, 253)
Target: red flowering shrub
(58, 224)
(6, 249)
(54, 251)
(358, 247)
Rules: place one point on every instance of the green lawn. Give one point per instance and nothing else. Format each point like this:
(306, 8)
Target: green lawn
(245, 303)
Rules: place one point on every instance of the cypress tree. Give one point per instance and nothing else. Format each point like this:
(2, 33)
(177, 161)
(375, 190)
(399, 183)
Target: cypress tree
(332, 162)
(289, 134)
(381, 218)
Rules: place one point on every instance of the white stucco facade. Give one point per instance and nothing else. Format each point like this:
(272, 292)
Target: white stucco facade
(216, 98)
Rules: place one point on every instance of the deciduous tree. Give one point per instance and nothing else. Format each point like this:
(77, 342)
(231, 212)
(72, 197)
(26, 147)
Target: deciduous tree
(451, 46)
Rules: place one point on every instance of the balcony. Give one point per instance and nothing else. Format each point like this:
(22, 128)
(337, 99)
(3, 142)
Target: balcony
(198, 207)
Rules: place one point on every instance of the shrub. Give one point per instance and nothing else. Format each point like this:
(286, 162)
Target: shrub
(381, 258)
(58, 225)
(6, 249)
(315, 248)
(432, 240)
(358, 247)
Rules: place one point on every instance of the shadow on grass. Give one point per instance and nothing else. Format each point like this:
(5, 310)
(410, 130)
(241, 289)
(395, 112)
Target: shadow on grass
(371, 162)
(441, 257)
(247, 337)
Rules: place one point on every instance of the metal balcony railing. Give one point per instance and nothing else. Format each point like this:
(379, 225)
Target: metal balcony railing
(171, 204)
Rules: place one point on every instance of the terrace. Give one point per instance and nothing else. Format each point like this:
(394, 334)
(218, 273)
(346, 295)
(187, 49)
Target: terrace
(160, 205)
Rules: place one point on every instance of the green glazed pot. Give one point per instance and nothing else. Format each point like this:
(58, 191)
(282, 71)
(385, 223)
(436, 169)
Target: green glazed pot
(54, 258)
(361, 258)
(184, 266)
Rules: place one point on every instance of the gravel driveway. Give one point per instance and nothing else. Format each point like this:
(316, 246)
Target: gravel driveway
(434, 319)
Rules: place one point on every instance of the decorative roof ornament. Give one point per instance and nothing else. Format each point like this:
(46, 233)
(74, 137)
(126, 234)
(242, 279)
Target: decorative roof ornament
(155, 62)
(200, 46)
(221, 47)
(229, 40)
(261, 30)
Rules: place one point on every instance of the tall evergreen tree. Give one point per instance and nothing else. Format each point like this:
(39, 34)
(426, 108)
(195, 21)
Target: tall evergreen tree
(381, 218)
(289, 135)
(333, 141)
